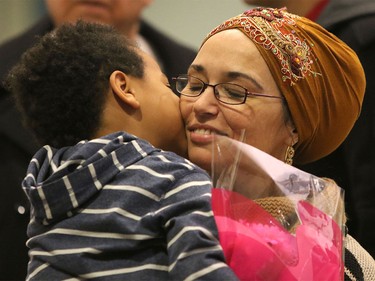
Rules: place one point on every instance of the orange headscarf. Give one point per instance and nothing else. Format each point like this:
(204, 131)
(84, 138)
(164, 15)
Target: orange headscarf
(320, 77)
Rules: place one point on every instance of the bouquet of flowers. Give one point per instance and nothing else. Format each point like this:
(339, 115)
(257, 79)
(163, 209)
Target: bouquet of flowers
(275, 221)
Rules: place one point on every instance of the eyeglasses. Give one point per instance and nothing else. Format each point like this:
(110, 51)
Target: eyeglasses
(228, 93)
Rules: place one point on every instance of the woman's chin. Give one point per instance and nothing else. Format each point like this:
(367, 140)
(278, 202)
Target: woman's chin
(201, 157)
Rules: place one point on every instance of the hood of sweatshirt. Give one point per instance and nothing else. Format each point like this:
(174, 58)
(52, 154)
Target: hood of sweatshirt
(61, 180)
(338, 11)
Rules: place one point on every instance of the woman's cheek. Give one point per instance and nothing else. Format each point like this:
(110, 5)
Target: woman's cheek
(185, 108)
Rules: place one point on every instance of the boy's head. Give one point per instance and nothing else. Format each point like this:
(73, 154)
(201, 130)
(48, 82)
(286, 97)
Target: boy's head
(85, 80)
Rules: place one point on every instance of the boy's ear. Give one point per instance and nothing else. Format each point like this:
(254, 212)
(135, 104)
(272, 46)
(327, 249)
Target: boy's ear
(120, 84)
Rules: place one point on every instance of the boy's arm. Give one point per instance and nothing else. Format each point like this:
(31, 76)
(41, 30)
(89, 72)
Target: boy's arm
(192, 238)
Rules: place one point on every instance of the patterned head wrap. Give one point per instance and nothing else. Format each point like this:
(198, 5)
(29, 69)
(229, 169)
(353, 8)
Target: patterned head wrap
(320, 77)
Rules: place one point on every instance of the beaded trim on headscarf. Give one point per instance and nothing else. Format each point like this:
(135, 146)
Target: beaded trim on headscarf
(266, 28)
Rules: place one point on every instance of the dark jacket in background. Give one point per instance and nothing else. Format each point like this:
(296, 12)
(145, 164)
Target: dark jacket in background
(352, 165)
(17, 145)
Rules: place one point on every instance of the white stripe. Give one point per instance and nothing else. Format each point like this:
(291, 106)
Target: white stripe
(37, 270)
(187, 185)
(188, 166)
(97, 183)
(34, 160)
(349, 274)
(134, 189)
(102, 153)
(49, 156)
(163, 158)
(25, 190)
(138, 148)
(116, 162)
(191, 228)
(189, 162)
(204, 214)
(101, 141)
(107, 235)
(119, 211)
(171, 205)
(153, 213)
(68, 163)
(208, 194)
(71, 193)
(30, 175)
(122, 271)
(121, 139)
(46, 207)
(64, 252)
(199, 213)
(151, 172)
(205, 271)
(194, 252)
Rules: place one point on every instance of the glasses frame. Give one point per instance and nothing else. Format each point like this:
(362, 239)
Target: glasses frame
(206, 85)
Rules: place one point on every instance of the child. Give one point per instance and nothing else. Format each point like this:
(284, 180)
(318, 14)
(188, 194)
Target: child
(105, 203)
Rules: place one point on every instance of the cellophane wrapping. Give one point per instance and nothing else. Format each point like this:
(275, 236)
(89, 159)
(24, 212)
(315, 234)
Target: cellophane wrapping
(275, 222)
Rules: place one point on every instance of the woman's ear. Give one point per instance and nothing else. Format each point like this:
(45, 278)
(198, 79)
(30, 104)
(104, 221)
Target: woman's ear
(294, 136)
(121, 87)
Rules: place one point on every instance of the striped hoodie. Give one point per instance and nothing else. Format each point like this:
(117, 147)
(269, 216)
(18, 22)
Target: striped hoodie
(116, 208)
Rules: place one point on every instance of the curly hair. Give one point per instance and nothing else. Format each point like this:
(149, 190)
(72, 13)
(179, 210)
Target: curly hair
(60, 84)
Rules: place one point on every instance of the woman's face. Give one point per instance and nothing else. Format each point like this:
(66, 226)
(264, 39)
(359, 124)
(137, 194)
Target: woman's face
(230, 56)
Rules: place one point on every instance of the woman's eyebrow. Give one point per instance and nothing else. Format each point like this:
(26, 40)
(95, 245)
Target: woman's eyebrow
(230, 74)
(197, 67)
(236, 74)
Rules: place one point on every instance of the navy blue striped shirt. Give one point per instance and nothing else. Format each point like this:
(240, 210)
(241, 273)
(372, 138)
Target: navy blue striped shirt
(116, 208)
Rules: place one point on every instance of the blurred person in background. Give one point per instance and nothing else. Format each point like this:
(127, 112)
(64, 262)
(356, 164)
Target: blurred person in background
(17, 145)
(352, 164)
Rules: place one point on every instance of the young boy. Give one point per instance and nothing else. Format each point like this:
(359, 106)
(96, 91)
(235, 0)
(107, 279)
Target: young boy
(105, 203)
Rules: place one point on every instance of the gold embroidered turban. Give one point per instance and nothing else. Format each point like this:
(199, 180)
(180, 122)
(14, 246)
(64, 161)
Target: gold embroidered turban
(319, 75)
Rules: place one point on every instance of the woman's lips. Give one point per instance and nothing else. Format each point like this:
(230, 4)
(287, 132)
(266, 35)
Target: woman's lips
(202, 136)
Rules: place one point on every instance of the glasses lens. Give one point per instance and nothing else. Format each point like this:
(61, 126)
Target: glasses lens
(230, 93)
(189, 86)
(181, 83)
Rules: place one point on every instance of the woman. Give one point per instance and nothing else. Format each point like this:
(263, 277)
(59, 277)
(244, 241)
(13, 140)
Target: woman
(294, 88)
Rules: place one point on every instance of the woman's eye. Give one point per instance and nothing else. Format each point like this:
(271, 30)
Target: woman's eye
(232, 93)
(235, 94)
(195, 87)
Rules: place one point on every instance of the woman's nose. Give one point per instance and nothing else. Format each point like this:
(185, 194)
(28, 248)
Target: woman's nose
(206, 103)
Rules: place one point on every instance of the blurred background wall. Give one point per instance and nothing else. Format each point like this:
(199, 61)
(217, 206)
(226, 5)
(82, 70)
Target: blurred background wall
(188, 21)
(16, 15)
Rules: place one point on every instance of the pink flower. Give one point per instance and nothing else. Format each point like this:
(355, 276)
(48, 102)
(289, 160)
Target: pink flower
(257, 247)
(282, 242)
